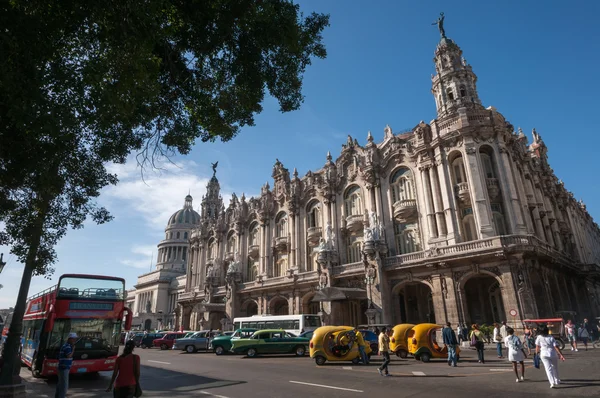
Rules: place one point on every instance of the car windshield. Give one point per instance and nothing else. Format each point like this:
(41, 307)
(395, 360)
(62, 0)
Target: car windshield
(98, 338)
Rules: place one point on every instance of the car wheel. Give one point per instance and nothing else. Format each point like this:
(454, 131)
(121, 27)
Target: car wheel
(252, 352)
(356, 360)
(300, 351)
(164, 347)
(320, 360)
(402, 354)
(35, 372)
(425, 357)
(190, 349)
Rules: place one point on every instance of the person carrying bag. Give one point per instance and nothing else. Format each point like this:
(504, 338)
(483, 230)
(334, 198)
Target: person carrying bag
(126, 376)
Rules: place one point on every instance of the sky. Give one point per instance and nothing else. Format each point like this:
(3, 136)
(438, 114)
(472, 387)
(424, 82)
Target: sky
(536, 62)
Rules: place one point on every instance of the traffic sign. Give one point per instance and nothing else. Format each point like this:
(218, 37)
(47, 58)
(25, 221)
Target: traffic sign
(513, 312)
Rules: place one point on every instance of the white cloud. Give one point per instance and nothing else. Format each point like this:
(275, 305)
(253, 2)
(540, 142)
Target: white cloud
(145, 257)
(157, 195)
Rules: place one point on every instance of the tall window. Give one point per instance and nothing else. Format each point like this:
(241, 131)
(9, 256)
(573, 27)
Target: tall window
(458, 170)
(212, 249)
(280, 267)
(311, 264)
(469, 228)
(231, 242)
(402, 185)
(281, 225)
(353, 202)
(450, 94)
(486, 163)
(499, 223)
(254, 234)
(407, 238)
(314, 215)
(354, 250)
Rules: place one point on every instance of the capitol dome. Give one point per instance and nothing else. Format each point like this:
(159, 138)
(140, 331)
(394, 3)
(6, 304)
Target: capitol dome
(187, 215)
(172, 251)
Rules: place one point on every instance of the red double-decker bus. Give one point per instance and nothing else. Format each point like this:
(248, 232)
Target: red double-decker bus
(91, 306)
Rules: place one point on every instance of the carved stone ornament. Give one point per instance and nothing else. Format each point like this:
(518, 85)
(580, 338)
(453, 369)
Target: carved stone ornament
(470, 150)
(444, 287)
(475, 268)
(457, 275)
(495, 271)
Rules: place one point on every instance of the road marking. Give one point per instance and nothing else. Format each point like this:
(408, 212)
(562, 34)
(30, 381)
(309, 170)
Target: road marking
(418, 373)
(500, 370)
(324, 386)
(164, 363)
(347, 367)
(211, 394)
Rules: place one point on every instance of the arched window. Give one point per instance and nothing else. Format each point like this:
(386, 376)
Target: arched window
(469, 228)
(402, 185)
(281, 225)
(231, 242)
(458, 170)
(353, 201)
(354, 248)
(450, 94)
(486, 164)
(254, 234)
(313, 217)
(178, 235)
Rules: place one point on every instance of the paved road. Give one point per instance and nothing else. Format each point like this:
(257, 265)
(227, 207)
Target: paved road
(177, 374)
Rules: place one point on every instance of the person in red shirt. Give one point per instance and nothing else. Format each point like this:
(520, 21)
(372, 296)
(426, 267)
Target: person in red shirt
(126, 376)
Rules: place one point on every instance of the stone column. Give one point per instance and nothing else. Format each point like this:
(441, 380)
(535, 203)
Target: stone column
(293, 263)
(433, 232)
(444, 300)
(554, 224)
(509, 193)
(523, 201)
(481, 207)
(437, 203)
(509, 295)
(263, 248)
(449, 206)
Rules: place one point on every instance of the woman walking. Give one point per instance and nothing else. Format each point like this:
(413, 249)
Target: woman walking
(126, 376)
(498, 339)
(477, 340)
(549, 353)
(516, 352)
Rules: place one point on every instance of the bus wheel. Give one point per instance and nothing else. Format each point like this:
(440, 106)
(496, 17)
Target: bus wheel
(35, 372)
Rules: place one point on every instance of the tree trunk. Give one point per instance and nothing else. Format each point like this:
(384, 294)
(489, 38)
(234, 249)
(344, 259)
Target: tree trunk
(10, 354)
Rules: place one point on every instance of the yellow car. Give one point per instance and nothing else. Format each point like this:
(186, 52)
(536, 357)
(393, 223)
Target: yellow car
(423, 345)
(398, 342)
(335, 343)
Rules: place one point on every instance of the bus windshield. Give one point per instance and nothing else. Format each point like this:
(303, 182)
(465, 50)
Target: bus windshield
(96, 338)
(71, 287)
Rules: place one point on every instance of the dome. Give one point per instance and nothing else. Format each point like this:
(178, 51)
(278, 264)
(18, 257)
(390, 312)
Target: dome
(187, 215)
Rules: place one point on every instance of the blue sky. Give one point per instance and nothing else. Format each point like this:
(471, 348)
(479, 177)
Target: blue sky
(537, 63)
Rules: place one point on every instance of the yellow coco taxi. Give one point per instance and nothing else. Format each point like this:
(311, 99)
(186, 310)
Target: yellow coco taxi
(335, 343)
(423, 342)
(398, 342)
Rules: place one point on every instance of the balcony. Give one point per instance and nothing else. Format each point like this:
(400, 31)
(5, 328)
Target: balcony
(354, 222)
(229, 256)
(281, 243)
(531, 201)
(405, 210)
(313, 235)
(253, 251)
(210, 260)
(493, 187)
(463, 192)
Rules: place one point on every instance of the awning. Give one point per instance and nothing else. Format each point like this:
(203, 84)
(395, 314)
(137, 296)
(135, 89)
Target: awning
(339, 293)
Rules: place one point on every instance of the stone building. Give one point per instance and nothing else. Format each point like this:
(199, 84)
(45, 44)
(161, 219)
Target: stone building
(154, 299)
(459, 219)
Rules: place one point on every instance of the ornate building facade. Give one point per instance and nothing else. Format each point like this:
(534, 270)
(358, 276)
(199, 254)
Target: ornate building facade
(154, 299)
(460, 219)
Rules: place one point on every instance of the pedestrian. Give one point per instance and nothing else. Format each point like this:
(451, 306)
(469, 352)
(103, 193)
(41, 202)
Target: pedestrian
(360, 341)
(549, 353)
(477, 342)
(498, 338)
(584, 335)
(465, 330)
(126, 376)
(451, 343)
(516, 352)
(570, 332)
(384, 350)
(65, 360)
(459, 335)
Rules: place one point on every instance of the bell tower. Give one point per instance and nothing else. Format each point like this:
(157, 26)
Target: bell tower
(212, 202)
(454, 85)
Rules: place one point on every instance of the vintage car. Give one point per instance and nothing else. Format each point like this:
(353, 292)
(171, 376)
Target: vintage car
(165, 342)
(335, 343)
(145, 340)
(270, 341)
(423, 342)
(399, 339)
(222, 344)
(197, 341)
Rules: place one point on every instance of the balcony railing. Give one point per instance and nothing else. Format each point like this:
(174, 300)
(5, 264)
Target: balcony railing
(281, 243)
(354, 222)
(313, 235)
(253, 251)
(463, 192)
(229, 256)
(405, 210)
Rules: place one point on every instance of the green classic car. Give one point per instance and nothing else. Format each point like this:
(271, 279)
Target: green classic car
(222, 344)
(270, 342)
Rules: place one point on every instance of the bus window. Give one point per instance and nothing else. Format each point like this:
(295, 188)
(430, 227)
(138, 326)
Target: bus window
(312, 321)
(237, 325)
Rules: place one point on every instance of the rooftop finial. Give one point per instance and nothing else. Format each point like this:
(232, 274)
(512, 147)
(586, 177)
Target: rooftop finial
(369, 136)
(214, 167)
(328, 155)
(440, 24)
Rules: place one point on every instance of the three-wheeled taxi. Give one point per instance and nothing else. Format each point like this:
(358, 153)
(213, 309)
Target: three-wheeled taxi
(556, 328)
(335, 343)
(398, 342)
(423, 342)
